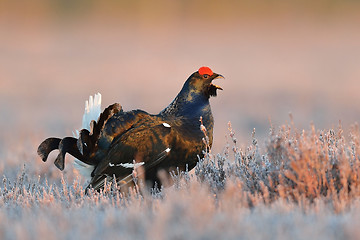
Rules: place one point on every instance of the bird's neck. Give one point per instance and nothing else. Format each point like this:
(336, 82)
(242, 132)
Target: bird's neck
(190, 109)
(189, 105)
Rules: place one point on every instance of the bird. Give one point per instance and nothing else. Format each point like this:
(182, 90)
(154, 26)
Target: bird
(114, 142)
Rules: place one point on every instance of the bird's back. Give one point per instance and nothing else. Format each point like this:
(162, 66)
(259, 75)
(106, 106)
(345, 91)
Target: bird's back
(154, 141)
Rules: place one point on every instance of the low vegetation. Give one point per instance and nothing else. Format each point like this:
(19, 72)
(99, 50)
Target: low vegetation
(301, 184)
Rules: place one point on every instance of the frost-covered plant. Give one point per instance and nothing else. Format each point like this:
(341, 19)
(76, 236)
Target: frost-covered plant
(300, 183)
(296, 166)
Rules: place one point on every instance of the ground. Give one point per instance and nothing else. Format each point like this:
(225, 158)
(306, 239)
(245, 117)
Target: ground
(303, 184)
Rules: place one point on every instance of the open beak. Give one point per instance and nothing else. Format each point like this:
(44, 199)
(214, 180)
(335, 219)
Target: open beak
(217, 76)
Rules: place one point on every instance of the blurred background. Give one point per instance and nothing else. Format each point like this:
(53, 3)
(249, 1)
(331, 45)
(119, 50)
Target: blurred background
(277, 57)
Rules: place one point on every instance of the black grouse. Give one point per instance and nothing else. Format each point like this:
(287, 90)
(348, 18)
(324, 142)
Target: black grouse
(120, 141)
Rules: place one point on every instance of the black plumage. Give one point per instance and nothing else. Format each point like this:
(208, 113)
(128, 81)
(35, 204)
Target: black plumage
(120, 140)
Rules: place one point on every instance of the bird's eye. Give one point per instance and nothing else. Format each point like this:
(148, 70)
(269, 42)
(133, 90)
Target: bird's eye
(205, 76)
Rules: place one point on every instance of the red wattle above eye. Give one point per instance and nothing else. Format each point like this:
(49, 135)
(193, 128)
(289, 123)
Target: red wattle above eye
(205, 70)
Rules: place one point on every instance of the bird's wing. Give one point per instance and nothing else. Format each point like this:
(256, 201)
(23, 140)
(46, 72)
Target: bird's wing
(145, 146)
(112, 122)
(118, 124)
(94, 145)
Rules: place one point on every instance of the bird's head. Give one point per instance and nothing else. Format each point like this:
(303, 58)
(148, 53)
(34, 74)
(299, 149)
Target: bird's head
(200, 82)
(195, 93)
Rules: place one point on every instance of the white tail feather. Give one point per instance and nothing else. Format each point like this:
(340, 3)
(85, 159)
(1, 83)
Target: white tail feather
(92, 112)
(84, 169)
